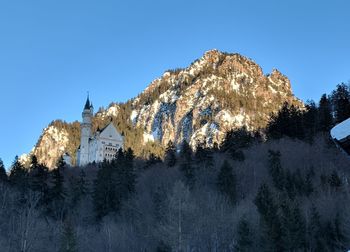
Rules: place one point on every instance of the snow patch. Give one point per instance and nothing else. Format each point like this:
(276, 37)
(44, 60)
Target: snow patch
(235, 86)
(133, 116)
(235, 120)
(341, 131)
(147, 137)
(113, 110)
(272, 89)
(170, 96)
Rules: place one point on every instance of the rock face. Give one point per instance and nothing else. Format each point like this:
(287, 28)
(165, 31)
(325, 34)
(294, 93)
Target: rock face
(216, 93)
(199, 104)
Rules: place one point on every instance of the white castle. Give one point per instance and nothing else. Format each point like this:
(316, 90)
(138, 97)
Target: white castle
(104, 144)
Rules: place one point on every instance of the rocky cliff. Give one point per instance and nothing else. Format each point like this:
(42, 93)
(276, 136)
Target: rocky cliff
(199, 104)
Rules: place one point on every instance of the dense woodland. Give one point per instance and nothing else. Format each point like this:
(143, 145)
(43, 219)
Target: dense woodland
(282, 189)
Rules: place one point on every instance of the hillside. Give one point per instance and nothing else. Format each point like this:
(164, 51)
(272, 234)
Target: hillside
(199, 104)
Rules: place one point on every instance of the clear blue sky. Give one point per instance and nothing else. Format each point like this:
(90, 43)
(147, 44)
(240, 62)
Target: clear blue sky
(53, 51)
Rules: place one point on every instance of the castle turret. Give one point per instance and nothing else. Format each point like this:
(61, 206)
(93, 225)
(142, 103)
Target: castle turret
(86, 126)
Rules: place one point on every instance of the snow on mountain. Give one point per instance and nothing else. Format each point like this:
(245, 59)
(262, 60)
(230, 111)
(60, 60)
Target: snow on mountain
(225, 90)
(51, 145)
(199, 104)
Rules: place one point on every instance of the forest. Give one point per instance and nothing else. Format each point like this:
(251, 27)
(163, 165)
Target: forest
(284, 188)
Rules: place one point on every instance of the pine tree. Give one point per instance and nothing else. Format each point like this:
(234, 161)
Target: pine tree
(310, 119)
(105, 199)
(289, 185)
(170, 154)
(294, 227)
(68, 239)
(33, 162)
(289, 121)
(276, 170)
(18, 175)
(39, 175)
(334, 180)
(3, 174)
(186, 166)
(244, 236)
(159, 199)
(315, 233)
(57, 191)
(152, 160)
(299, 182)
(203, 156)
(128, 174)
(226, 182)
(325, 118)
(272, 233)
(82, 186)
(309, 188)
(39, 181)
(341, 102)
(340, 239)
(235, 140)
(78, 188)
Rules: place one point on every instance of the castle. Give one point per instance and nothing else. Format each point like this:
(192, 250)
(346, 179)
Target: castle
(97, 147)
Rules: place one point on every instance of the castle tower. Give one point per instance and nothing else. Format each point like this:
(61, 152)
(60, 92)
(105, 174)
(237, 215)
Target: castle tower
(85, 126)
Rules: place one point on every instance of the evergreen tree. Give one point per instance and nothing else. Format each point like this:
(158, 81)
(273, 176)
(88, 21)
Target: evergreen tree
(186, 166)
(276, 170)
(104, 195)
(68, 239)
(299, 182)
(289, 185)
(294, 227)
(152, 160)
(315, 233)
(57, 191)
(78, 188)
(309, 188)
(341, 102)
(272, 233)
(289, 121)
(18, 175)
(3, 174)
(203, 156)
(82, 185)
(334, 180)
(159, 198)
(127, 174)
(39, 175)
(325, 118)
(235, 140)
(226, 182)
(244, 236)
(33, 162)
(340, 239)
(310, 119)
(39, 182)
(170, 154)
(199, 155)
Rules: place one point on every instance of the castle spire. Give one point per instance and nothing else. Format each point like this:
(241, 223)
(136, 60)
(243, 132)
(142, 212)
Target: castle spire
(87, 104)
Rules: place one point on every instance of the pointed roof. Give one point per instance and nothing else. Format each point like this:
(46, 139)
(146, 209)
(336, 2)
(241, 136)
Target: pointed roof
(87, 104)
(101, 130)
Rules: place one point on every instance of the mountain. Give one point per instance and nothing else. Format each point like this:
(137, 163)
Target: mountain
(199, 104)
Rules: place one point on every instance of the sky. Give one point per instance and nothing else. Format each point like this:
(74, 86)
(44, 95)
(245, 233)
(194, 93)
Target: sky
(52, 52)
